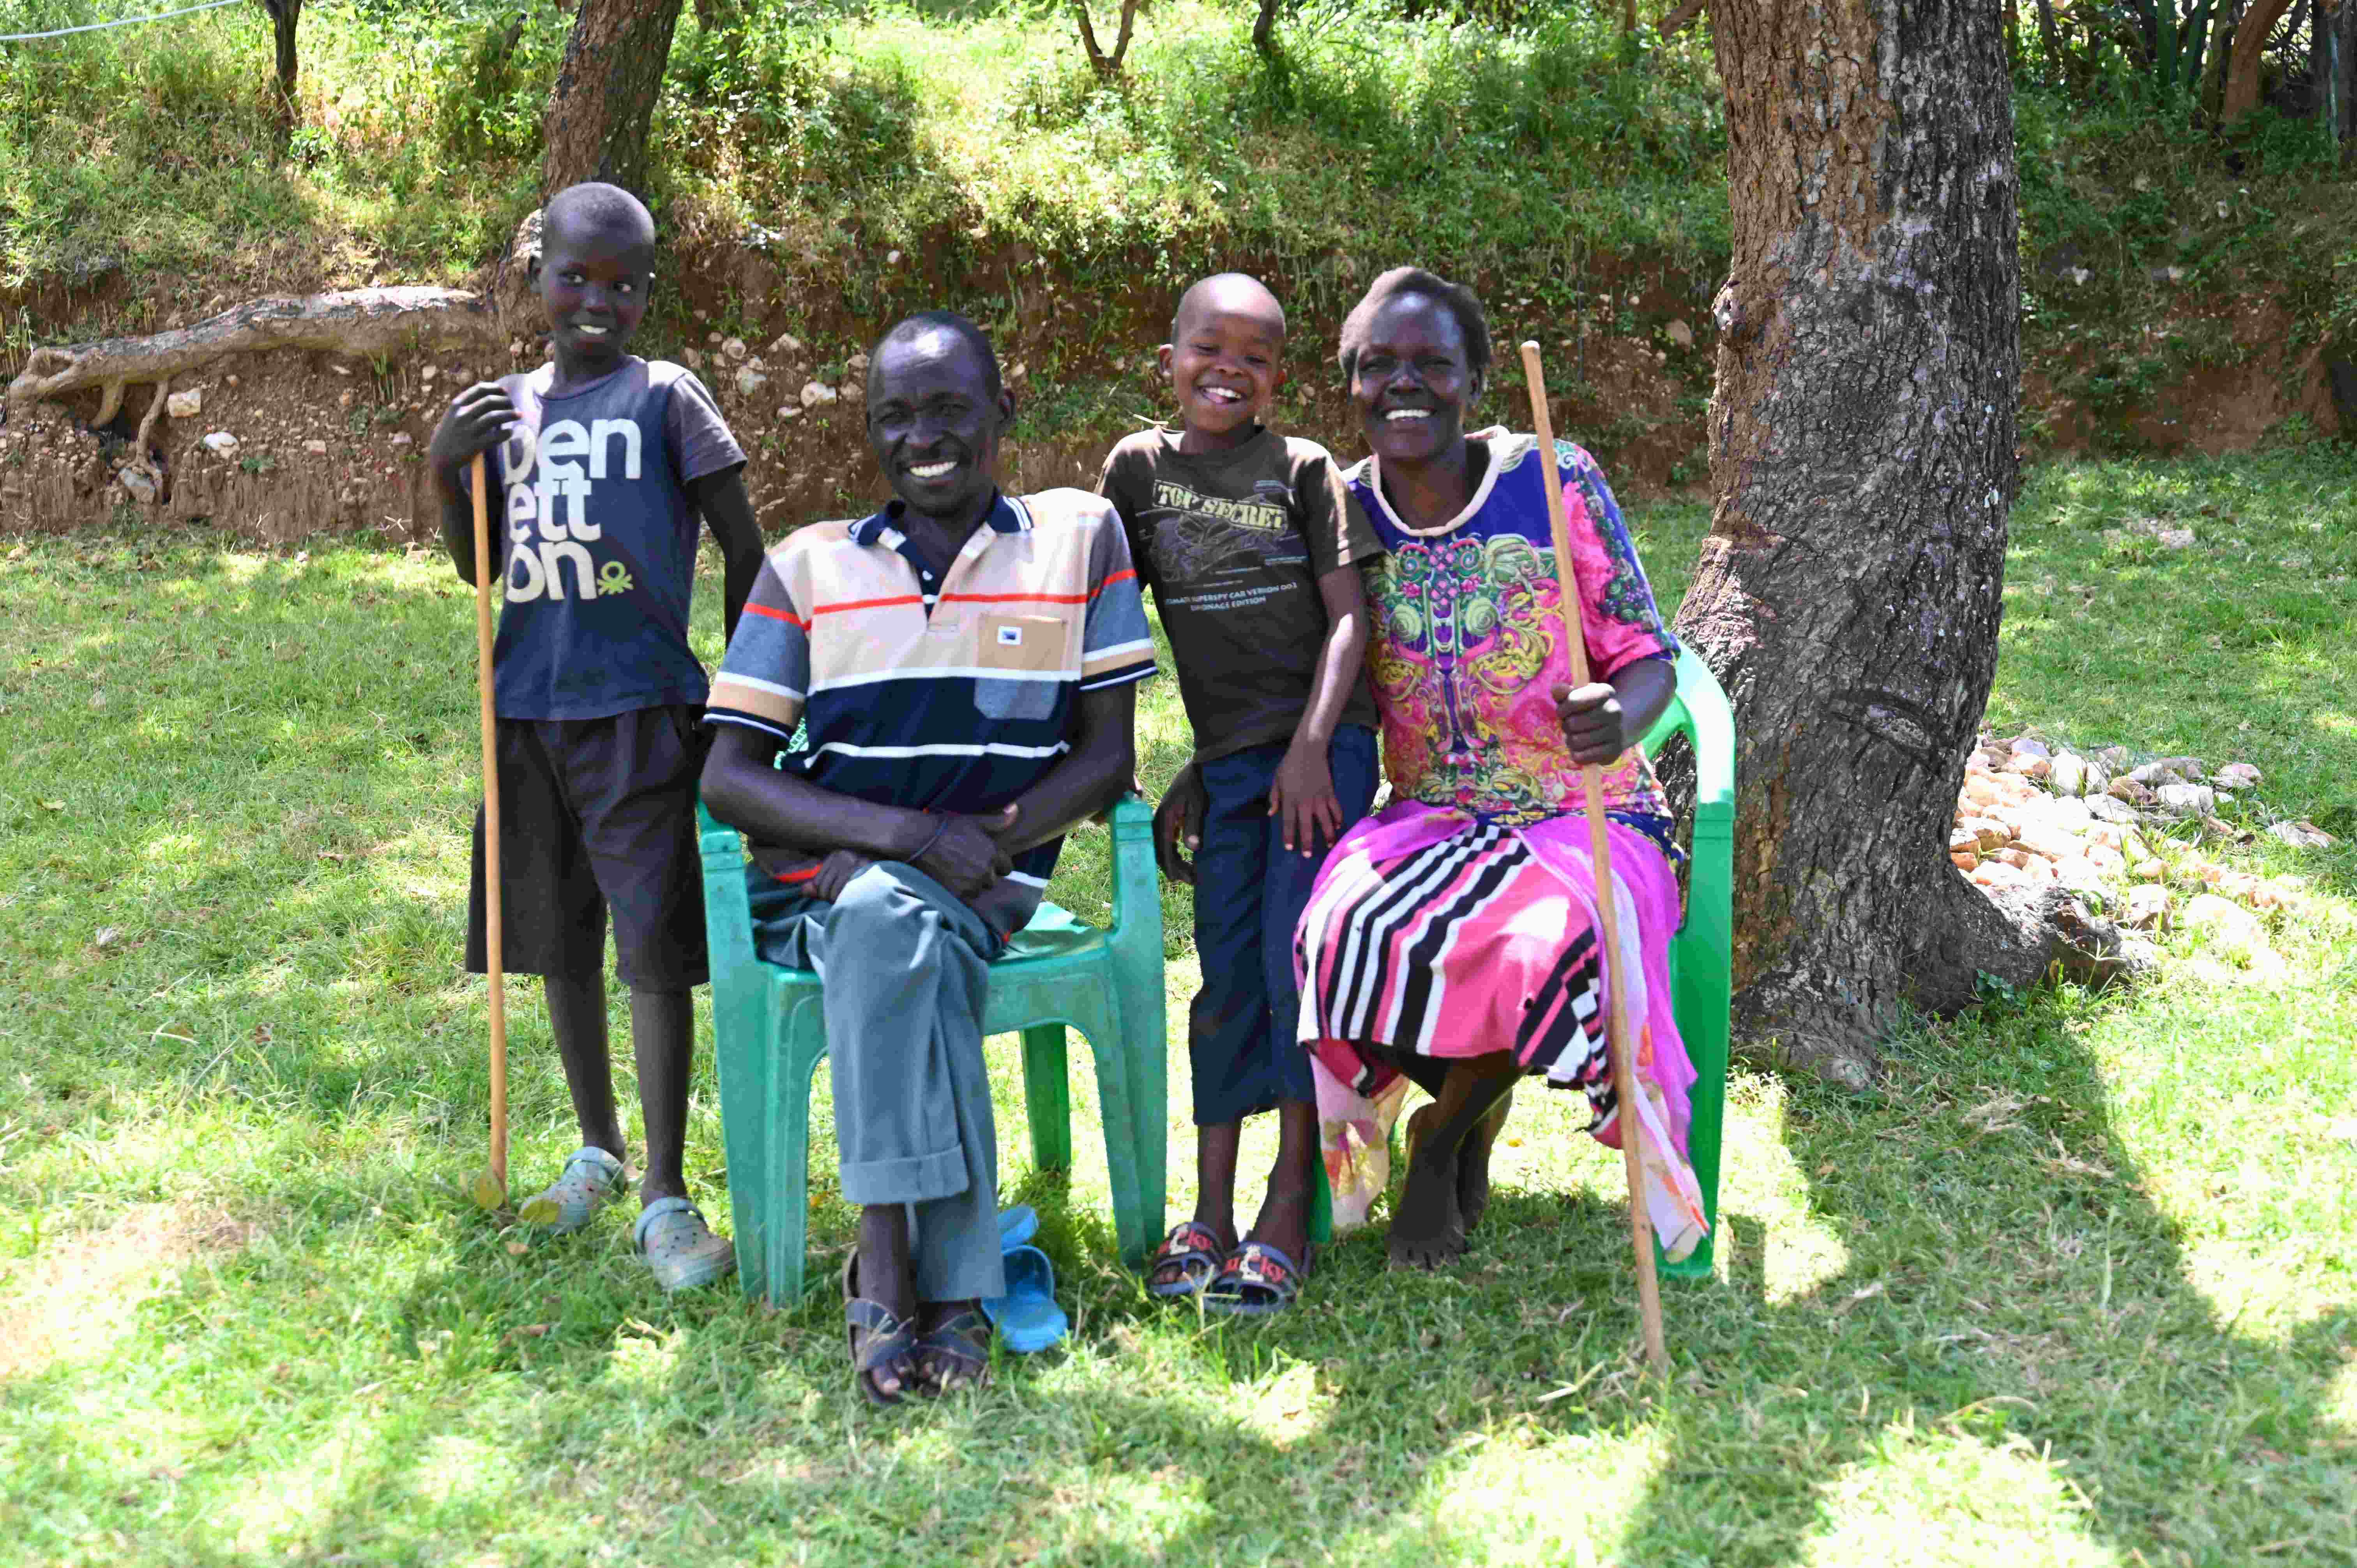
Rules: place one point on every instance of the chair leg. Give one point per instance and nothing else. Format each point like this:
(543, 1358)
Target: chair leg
(1046, 1097)
(1133, 1164)
(1321, 1203)
(802, 1044)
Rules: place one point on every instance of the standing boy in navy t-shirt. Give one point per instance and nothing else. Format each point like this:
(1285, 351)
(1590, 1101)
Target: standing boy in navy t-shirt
(1252, 544)
(602, 463)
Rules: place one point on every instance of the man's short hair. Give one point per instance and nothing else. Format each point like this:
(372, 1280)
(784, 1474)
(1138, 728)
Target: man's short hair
(1461, 302)
(925, 322)
(596, 203)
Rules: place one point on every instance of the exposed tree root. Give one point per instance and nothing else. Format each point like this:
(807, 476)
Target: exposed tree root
(1829, 1027)
(366, 322)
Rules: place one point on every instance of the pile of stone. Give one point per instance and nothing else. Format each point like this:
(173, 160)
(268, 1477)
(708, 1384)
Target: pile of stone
(2100, 823)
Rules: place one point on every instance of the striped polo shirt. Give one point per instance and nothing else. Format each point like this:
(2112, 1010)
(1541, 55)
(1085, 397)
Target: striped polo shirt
(949, 695)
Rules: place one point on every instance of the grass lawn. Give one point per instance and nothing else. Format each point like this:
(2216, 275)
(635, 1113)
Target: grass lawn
(2073, 1286)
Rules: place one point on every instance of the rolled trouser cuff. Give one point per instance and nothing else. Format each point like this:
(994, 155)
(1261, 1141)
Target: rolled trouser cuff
(919, 1178)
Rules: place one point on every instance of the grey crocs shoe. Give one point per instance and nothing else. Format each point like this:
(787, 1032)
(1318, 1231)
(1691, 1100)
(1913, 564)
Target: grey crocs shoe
(592, 1178)
(675, 1244)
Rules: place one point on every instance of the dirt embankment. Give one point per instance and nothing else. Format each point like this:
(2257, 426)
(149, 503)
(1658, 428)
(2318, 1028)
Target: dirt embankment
(319, 441)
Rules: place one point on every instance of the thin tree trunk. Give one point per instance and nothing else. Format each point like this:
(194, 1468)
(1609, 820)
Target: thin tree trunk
(2241, 93)
(2344, 60)
(1109, 65)
(1264, 33)
(603, 105)
(1862, 449)
(2049, 38)
(284, 16)
(2213, 61)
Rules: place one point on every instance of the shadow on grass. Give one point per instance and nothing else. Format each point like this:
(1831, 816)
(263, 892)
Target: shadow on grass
(2012, 1351)
(2010, 1286)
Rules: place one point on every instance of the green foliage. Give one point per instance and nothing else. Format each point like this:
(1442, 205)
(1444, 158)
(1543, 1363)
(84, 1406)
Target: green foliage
(777, 107)
(157, 149)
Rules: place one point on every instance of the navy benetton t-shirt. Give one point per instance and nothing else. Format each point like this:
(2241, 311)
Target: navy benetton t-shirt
(599, 542)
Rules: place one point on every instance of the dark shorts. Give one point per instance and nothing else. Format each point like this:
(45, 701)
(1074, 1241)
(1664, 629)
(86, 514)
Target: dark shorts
(598, 815)
(1249, 895)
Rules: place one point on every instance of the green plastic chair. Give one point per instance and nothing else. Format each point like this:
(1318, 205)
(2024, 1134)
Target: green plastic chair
(1702, 953)
(1056, 972)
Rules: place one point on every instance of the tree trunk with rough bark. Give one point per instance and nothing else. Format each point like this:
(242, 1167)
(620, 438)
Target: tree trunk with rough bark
(603, 105)
(1862, 449)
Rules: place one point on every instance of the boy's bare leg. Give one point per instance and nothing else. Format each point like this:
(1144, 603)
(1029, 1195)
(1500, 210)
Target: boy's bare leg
(577, 1017)
(1428, 1228)
(662, 1037)
(1216, 1148)
(1284, 1218)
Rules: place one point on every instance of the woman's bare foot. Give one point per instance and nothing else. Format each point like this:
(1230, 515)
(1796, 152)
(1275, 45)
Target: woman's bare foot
(1473, 1163)
(1472, 1157)
(1426, 1228)
(1429, 1226)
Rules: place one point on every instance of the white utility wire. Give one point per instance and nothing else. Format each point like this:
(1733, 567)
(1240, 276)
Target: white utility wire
(120, 21)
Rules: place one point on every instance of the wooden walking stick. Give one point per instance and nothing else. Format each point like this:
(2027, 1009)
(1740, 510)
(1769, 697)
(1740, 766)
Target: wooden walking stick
(491, 1185)
(1617, 1034)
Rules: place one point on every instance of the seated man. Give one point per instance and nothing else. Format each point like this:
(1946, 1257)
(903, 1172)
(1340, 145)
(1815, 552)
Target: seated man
(963, 661)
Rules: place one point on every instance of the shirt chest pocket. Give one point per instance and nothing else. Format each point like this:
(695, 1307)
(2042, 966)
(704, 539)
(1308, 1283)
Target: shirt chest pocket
(1020, 663)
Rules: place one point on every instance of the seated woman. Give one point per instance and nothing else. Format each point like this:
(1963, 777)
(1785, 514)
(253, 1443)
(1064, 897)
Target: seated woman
(1452, 937)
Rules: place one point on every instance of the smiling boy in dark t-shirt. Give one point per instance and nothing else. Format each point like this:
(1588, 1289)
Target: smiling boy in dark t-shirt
(603, 462)
(1250, 542)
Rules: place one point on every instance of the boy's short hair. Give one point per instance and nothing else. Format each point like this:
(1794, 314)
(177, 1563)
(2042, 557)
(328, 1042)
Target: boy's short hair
(1178, 313)
(1460, 302)
(910, 328)
(596, 202)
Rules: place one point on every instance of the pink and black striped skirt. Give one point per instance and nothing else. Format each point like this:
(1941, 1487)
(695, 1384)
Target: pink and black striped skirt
(1449, 935)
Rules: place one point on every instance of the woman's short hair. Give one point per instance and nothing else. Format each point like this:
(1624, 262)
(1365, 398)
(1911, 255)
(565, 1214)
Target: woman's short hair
(1461, 302)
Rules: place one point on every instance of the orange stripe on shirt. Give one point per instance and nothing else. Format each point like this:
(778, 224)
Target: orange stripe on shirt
(869, 604)
(1015, 598)
(789, 617)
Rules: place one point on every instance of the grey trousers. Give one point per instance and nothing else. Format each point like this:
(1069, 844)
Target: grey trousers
(905, 967)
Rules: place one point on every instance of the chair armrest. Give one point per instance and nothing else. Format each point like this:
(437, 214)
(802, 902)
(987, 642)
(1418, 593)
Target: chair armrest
(728, 910)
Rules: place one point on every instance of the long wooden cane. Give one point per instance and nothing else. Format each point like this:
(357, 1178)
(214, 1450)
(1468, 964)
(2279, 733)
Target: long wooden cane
(490, 1185)
(1618, 1036)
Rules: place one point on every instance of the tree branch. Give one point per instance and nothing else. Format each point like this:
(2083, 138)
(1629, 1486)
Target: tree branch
(1680, 19)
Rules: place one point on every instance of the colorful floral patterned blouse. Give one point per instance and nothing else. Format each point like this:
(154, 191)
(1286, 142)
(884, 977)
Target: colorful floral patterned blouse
(1466, 643)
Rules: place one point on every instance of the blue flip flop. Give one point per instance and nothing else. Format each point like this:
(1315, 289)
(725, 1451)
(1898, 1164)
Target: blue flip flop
(1017, 1226)
(1027, 1318)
